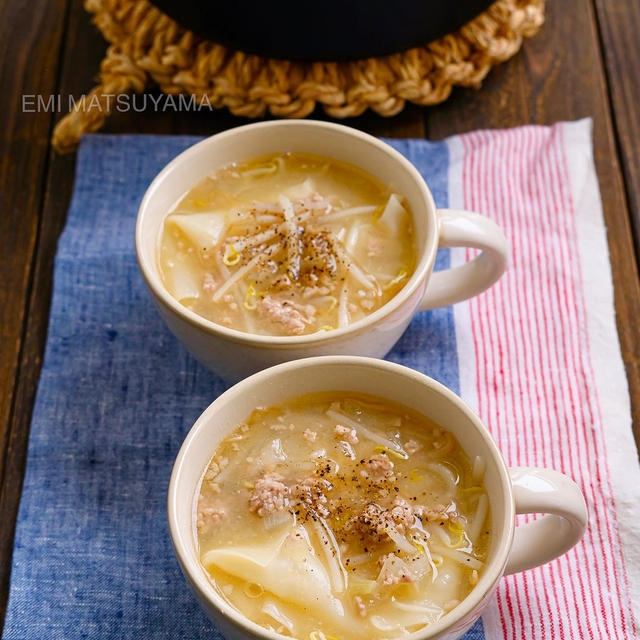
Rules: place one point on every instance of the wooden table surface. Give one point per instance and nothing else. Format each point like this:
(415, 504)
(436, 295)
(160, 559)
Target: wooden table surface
(584, 62)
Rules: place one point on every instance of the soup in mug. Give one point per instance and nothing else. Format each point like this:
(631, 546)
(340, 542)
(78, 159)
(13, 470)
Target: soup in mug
(342, 516)
(287, 244)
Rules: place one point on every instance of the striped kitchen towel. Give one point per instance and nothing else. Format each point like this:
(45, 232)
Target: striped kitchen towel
(537, 356)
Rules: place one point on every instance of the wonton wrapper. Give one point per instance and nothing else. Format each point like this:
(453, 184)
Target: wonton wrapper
(394, 216)
(386, 263)
(395, 617)
(204, 230)
(286, 566)
(301, 191)
(394, 620)
(446, 586)
(182, 281)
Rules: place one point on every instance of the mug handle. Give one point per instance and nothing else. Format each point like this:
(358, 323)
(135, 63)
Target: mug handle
(466, 229)
(550, 492)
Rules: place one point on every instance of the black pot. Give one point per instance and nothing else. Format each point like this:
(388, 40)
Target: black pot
(327, 30)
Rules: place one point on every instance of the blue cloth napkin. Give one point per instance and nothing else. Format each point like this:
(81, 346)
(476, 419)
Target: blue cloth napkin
(117, 395)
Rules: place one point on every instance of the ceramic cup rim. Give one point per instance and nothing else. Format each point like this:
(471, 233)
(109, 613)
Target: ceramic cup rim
(206, 421)
(426, 252)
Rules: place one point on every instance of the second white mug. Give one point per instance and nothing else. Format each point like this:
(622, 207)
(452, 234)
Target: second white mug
(510, 491)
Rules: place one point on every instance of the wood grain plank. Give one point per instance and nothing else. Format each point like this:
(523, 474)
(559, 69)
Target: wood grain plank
(31, 35)
(619, 24)
(558, 76)
(409, 123)
(83, 50)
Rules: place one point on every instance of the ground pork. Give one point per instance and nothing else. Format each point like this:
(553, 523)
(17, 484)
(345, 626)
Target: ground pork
(402, 514)
(346, 434)
(212, 471)
(269, 495)
(309, 435)
(212, 486)
(319, 252)
(430, 514)
(375, 520)
(411, 447)
(393, 570)
(209, 516)
(311, 493)
(310, 292)
(209, 285)
(378, 468)
(290, 317)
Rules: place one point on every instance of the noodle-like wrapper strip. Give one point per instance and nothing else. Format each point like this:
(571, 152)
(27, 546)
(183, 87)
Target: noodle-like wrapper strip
(204, 230)
(258, 555)
(301, 191)
(379, 251)
(291, 571)
(445, 587)
(183, 281)
(394, 216)
(391, 618)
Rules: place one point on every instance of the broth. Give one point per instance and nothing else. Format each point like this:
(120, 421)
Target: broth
(287, 244)
(342, 516)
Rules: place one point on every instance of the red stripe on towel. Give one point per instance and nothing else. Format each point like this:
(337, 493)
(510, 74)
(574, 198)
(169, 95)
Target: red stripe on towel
(535, 383)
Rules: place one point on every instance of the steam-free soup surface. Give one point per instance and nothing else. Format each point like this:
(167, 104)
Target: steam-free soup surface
(342, 516)
(287, 244)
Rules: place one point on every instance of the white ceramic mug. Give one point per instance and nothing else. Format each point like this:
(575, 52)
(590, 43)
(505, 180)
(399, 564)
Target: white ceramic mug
(510, 492)
(234, 354)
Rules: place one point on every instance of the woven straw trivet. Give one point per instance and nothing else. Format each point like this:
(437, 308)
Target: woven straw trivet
(146, 45)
